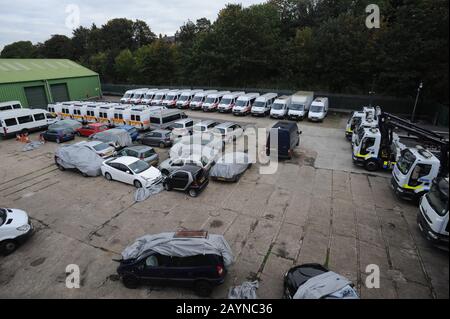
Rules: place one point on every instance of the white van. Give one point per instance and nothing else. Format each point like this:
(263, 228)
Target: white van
(66, 110)
(165, 118)
(319, 109)
(120, 115)
(105, 112)
(127, 97)
(244, 104)
(11, 105)
(204, 126)
(186, 97)
(301, 102)
(160, 96)
(138, 96)
(213, 100)
(171, 99)
(182, 128)
(91, 109)
(280, 107)
(263, 104)
(140, 116)
(148, 97)
(79, 111)
(229, 101)
(24, 120)
(199, 99)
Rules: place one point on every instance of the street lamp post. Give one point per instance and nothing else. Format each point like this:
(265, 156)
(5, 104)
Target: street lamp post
(417, 100)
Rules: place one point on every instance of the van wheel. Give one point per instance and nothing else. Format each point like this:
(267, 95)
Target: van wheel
(203, 288)
(130, 281)
(162, 145)
(372, 165)
(193, 193)
(24, 131)
(108, 176)
(137, 184)
(8, 247)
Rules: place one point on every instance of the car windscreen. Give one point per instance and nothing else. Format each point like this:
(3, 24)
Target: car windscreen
(278, 106)
(148, 153)
(100, 147)
(297, 107)
(177, 125)
(3, 216)
(406, 161)
(139, 167)
(316, 108)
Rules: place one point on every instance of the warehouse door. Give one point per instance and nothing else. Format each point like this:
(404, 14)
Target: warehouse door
(36, 97)
(59, 92)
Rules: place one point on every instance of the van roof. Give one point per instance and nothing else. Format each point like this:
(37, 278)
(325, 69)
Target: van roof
(21, 112)
(267, 96)
(225, 125)
(217, 94)
(248, 96)
(283, 97)
(233, 94)
(205, 122)
(169, 112)
(304, 93)
(285, 125)
(205, 93)
(9, 103)
(320, 99)
(184, 120)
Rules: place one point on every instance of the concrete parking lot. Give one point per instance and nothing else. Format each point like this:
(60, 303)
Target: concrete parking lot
(317, 207)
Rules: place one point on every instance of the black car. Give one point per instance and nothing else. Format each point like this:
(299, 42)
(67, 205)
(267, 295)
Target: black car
(59, 135)
(159, 138)
(288, 139)
(298, 276)
(201, 272)
(189, 178)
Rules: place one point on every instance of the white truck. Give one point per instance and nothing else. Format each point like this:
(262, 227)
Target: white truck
(263, 104)
(301, 102)
(319, 109)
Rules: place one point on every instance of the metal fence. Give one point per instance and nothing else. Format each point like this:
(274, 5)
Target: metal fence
(428, 111)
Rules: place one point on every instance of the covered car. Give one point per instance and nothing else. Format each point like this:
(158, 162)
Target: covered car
(230, 167)
(169, 244)
(313, 281)
(66, 124)
(79, 157)
(116, 137)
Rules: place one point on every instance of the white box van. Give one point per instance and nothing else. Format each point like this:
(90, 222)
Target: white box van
(263, 104)
(120, 115)
(244, 104)
(186, 97)
(280, 107)
(24, 120)
(148, 97)
(105, 112)
(79, 111)
(11, 105)
(160, 96)
(213, 100)
(228, 101)
(127, 96)
(319, 109)
(199, 99)
(91, 109)
(301, 102)
(140, 116)
(171, 99)
(138, 96)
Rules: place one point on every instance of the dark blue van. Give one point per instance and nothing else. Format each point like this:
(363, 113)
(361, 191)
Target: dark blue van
(288, 139)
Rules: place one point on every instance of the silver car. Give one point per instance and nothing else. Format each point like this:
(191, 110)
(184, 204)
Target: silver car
(102, 149)
(144, 153)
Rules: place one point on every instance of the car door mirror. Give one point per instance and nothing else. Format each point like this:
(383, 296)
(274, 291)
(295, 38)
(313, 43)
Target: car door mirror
(129, 172)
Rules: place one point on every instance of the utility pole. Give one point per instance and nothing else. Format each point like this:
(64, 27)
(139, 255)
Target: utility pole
(417, 100)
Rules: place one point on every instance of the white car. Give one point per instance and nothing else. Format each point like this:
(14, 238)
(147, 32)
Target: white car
(170, 165)
(15, 227)
(102, 149)
(229, 132)
(130, 170)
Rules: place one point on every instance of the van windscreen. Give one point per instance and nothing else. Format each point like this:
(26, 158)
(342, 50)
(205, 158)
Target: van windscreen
(259, 104)
(316, 108)
(278, 106)
(297, 107)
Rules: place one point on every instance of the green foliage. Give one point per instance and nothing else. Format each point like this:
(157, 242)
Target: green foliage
(291, 44)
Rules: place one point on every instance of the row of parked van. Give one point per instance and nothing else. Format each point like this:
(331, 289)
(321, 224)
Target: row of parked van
(298, 106)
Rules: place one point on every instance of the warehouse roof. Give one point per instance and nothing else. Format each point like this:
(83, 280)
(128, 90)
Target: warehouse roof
(25, 70)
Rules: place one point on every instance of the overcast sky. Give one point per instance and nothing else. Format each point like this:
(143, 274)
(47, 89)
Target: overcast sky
(36, 20)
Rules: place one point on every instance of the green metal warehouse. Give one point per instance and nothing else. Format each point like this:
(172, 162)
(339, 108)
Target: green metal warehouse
(38, 82)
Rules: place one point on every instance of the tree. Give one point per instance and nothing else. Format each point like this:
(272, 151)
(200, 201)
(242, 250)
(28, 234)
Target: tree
(19, 50)
(80, 42)
(125, 65)
(57, 47)
(142, 34)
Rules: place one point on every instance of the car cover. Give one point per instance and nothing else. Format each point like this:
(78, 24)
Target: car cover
(119, 137)
(32, 146)
(72, 124)
(231, 165)
(144, 193)
(328, 285)
(168, 245)
(181, 150)
(79, 157)
(245, 291)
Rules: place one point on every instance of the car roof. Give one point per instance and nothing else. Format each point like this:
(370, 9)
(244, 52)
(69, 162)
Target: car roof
(205, 122)
(93, 143)
(160, 131)
(189, 168)
(126, 160)
(184, 120)
(138, 148)
(225, 125)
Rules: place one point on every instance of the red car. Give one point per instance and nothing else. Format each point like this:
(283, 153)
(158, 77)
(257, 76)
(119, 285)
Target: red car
(88, 130)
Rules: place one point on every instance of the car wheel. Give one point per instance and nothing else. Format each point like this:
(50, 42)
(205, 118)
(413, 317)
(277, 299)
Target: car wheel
(8, 247)
(162, 145)
(137, 184)
(131, 282)
(167, 187)
(108, 176)
(193, 193)
(78, 134)
(60, 167)
(84, 175)
(58, 141)
(203, 288)
(372, 165)
(165, 172)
